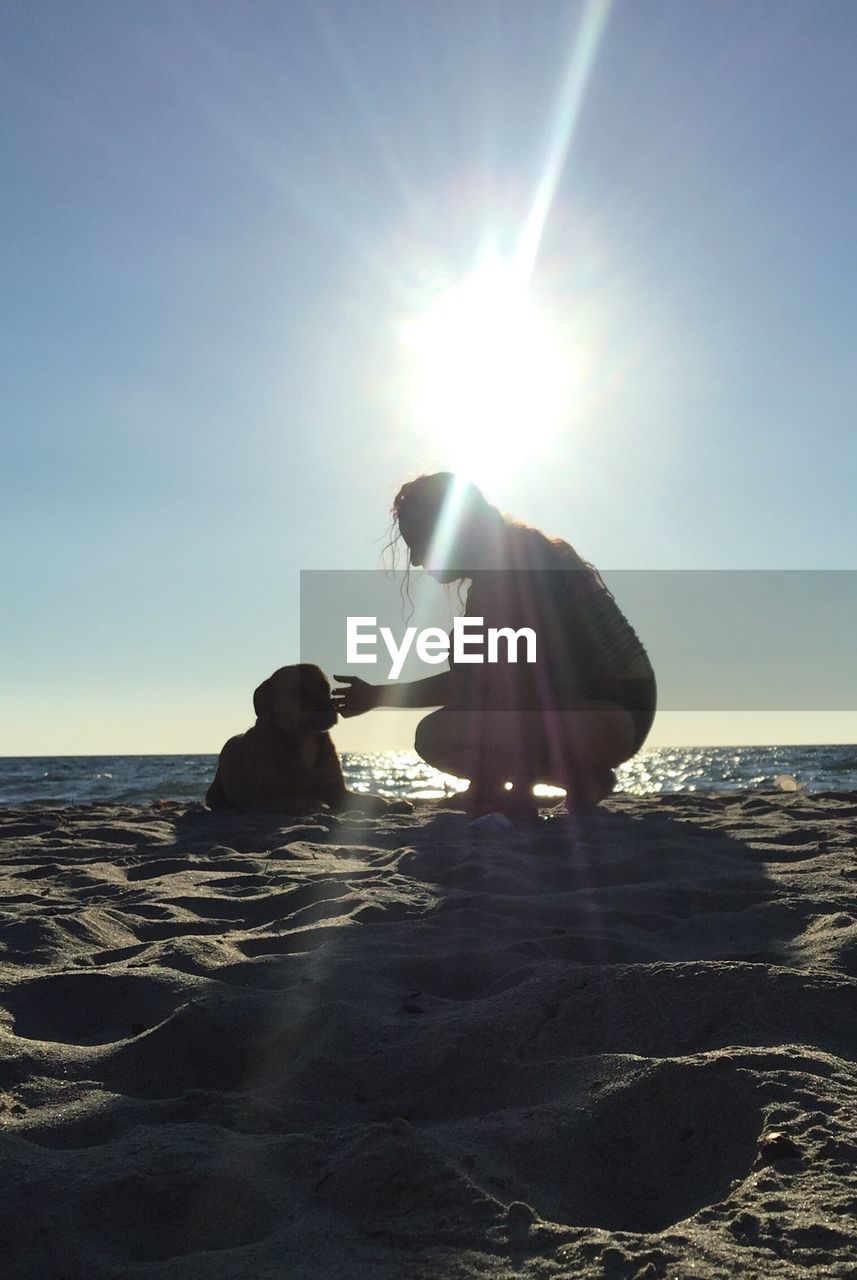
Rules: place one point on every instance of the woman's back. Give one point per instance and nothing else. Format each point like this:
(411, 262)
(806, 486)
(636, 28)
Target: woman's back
(584, 642)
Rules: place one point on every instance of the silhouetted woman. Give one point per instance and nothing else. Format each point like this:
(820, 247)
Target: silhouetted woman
(585, 706)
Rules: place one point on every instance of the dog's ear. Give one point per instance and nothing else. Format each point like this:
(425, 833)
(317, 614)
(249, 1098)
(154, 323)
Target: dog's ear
(263, 698)
(284, 699)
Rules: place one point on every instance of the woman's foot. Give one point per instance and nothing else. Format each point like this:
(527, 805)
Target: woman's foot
(520, 805)
(588, 790)
(481, 800)
(517, 804)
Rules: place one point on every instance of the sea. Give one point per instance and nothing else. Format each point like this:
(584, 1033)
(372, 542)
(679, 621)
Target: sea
(142, 780)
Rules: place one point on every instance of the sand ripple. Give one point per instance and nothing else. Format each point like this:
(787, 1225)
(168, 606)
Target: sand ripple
(261, 1047)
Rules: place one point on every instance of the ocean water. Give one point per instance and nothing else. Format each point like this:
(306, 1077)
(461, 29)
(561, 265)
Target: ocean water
(65, 780)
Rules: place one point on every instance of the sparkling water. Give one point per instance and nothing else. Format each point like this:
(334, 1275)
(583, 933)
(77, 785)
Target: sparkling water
(64, 780)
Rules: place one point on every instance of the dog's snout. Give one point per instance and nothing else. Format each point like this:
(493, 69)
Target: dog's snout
(319, 719)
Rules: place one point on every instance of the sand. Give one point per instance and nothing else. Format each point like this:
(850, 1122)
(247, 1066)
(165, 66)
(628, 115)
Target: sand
(259, 1047)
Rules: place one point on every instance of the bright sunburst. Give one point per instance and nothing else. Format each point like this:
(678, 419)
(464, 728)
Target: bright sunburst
(488, 371)
(489, 378)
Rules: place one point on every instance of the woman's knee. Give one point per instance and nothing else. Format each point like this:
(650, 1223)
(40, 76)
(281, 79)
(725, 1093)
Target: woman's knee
(613, 733)
(430, 739)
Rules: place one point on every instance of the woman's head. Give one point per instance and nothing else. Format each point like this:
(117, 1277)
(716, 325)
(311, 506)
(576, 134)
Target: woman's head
(450, 528)
(446, 523)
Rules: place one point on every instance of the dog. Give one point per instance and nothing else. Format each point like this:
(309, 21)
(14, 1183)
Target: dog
(287, 762)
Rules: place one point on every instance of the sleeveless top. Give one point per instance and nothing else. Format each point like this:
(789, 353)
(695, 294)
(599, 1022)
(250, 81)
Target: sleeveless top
(584, 642)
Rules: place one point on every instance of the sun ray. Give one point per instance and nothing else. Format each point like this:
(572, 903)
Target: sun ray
(583, 53)
(447, 525)
(492, 373)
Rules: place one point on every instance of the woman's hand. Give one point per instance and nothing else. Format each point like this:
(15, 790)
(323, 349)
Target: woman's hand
(356, 698)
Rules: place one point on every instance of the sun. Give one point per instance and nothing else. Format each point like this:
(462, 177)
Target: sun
(488, 375)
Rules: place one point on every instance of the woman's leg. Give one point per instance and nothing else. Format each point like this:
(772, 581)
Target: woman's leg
(490, 749)
(487, 748)
(582, 747)
(576, 748)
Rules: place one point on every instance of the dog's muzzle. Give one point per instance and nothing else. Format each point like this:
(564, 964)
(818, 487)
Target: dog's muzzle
(319, 721)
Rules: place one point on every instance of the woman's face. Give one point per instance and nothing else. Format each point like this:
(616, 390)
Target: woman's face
(418, 530)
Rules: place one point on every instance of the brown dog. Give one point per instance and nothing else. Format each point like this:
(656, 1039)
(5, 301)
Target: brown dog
(287, 762)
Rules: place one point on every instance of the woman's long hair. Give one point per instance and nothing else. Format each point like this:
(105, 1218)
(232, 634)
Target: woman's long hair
(527, 547)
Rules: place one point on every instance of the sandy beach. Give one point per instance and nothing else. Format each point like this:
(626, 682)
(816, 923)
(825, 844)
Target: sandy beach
(618, 1046)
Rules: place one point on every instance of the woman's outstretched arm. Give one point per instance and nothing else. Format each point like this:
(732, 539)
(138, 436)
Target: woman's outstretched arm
(359, 696)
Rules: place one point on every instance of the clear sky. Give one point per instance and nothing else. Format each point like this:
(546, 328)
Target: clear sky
(263, 261)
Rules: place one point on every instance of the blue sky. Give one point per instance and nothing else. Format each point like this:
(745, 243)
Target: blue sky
(220, 220)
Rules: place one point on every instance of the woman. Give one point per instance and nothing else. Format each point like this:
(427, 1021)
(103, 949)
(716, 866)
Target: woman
(586, 705)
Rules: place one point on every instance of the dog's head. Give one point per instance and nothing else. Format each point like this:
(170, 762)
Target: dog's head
(297, 699)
